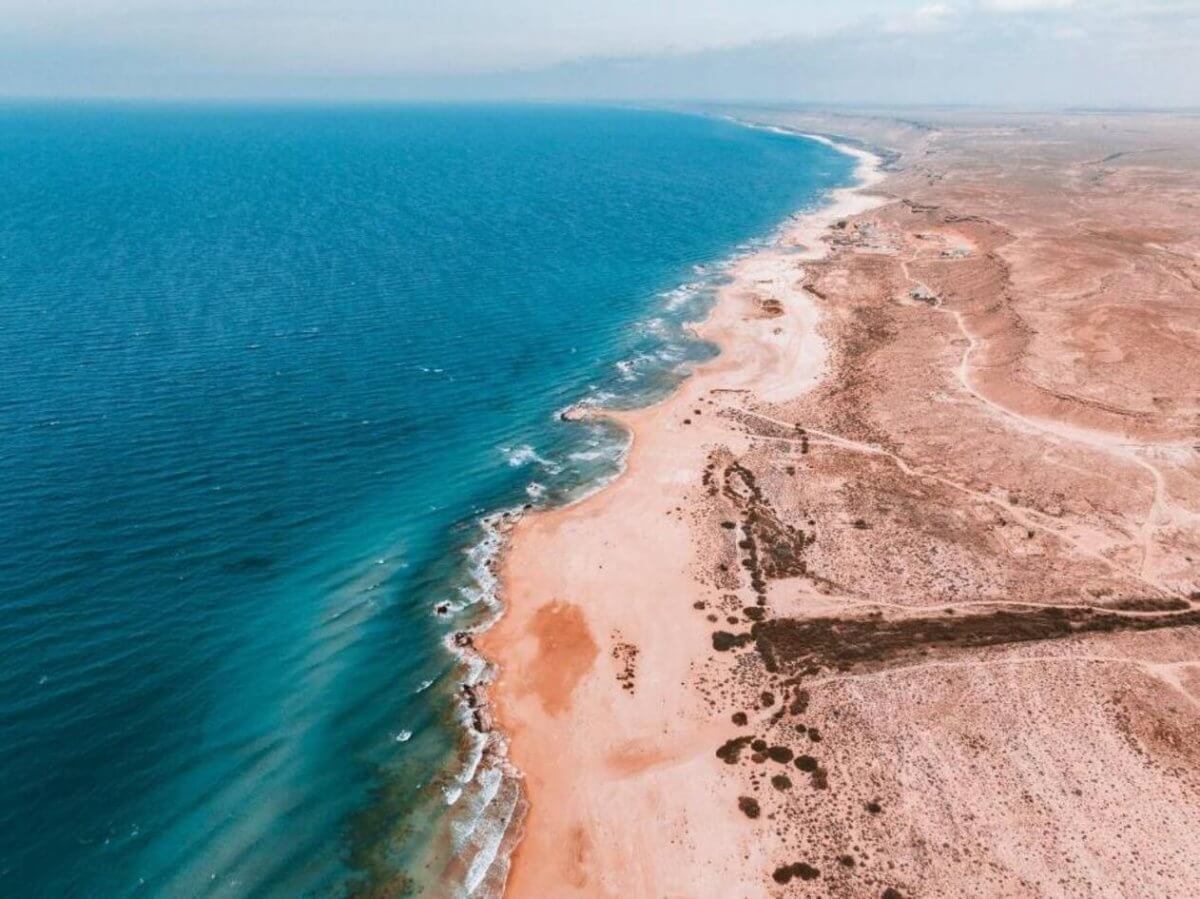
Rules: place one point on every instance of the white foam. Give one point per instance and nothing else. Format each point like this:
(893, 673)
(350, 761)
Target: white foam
(485, 831)
(603, 446)
(672, 352)
(516, 456)
(454, 792)
(479, 561)
(628, 369)
(632, 369)
(678, 297)
(595, 399)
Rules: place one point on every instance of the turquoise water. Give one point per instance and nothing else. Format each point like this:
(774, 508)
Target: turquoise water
(261, 372)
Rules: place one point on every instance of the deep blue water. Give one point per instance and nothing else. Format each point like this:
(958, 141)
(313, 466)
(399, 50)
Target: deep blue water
(261, 371)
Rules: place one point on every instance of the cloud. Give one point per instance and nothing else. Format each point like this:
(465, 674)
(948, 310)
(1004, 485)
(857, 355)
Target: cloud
(1116, 55)
(924, 19)
(1034, 52)
(1025, 5)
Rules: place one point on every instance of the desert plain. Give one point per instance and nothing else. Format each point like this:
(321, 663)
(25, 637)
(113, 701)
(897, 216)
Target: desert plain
(899, 595)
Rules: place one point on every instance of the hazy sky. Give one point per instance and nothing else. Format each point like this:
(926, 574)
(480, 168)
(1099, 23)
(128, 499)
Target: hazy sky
(1095, 52)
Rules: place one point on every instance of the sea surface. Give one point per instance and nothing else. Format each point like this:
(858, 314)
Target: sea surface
(262, 371)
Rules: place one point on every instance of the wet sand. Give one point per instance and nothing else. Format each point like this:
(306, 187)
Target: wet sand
(895, 596)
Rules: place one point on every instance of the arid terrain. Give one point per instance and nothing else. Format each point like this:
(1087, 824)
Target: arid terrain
(900, 594)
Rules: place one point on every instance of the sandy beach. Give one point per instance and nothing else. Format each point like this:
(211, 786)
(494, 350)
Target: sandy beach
(895, 596)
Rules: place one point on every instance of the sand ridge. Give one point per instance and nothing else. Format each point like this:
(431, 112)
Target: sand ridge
(896, 596)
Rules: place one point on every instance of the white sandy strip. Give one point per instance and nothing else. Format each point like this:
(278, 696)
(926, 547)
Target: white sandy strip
(796, 354)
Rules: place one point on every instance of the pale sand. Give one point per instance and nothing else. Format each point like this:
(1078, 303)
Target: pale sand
(626, 795)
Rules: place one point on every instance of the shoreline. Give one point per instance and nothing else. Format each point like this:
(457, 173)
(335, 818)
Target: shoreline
(785, 359)
(468, 850)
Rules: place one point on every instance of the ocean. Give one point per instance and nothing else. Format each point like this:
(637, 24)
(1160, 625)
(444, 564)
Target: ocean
(263, 371)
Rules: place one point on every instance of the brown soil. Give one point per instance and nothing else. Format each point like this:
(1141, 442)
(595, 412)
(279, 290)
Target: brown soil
(565, 653)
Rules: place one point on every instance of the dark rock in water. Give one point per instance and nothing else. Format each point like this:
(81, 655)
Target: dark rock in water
(481, 721)
(892, 893)
(739, 718)
(749, 806)
(806, 763)
(781, 782)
